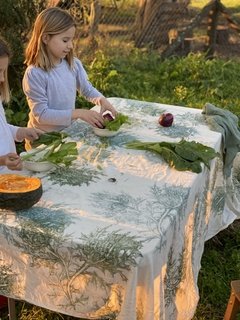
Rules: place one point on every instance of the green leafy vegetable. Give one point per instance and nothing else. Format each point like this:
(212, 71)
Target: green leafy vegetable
(56, 149)
(183, 155)
(115, 124)
(49, 138)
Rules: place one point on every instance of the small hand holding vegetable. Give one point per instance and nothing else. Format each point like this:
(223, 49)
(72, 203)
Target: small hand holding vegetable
(12, 161)
(93, 117)
(28, 133)
(113, 124)
(107, 106)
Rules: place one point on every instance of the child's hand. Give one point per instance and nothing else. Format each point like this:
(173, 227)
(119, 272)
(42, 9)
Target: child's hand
(30, 134)
(106, 106)
(12, 161)
(92, 117)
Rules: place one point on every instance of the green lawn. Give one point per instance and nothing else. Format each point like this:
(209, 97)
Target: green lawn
(226, 3)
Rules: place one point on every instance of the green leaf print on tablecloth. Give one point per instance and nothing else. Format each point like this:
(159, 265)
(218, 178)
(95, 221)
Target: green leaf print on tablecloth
(74, 176)
(159, 205)
(96, 254)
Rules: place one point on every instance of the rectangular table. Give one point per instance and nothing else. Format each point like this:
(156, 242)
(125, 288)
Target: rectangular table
(120, 234)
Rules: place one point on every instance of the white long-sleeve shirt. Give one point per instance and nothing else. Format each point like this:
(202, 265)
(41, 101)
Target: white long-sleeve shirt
(7, 135)
(51, 95)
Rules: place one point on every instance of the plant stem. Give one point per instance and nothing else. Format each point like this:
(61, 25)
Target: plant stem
(30, 155)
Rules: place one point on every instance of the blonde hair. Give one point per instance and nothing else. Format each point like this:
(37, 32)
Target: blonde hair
(4, 86)
(50, 21)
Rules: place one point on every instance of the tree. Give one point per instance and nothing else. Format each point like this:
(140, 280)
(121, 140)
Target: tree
(16, 19)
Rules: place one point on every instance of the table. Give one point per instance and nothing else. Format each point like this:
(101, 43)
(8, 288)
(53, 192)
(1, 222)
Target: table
(121, 234)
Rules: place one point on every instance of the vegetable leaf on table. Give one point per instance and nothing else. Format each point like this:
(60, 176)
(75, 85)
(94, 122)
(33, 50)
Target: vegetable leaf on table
(57, 150)
(183, 155)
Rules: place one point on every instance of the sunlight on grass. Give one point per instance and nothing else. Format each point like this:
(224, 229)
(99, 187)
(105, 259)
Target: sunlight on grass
(226, 3)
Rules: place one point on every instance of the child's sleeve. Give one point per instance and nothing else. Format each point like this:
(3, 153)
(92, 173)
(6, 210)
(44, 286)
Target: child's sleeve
(13, 130)
(35, 89)
(84, 86)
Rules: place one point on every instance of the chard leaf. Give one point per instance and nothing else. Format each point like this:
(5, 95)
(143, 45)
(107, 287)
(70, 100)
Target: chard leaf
(184, 155)
(49, 138)
(193, 151)
(63, 153)
(176, 161)
(57, 150)
(115, 124)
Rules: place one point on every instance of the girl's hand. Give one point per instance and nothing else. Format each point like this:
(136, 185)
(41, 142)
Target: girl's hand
(12, 161)
(28, 133)
(94, 118)
(106, 106)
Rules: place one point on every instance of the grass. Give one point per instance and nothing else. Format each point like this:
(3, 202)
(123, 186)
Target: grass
(227, 3)
(220, 265)
(27, 311)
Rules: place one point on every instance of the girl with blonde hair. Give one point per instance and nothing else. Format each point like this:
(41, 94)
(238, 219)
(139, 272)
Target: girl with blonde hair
(53, 76)
(9, 133)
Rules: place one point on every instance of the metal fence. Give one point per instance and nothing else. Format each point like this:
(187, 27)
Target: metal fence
(172, 27)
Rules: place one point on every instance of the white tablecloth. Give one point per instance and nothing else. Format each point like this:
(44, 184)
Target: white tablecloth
(120, 234)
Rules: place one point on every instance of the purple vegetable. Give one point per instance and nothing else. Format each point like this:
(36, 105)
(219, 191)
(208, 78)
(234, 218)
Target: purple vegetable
(166, 119)
(108, 116)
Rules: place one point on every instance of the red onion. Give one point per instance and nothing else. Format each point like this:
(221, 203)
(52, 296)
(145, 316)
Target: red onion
(166, 119)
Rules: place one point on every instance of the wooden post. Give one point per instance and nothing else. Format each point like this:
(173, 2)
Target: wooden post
(212, 29)
(11, 309)
(233, 306)
(94, 18)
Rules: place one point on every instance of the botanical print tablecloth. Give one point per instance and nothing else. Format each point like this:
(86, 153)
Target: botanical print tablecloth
(119, 235)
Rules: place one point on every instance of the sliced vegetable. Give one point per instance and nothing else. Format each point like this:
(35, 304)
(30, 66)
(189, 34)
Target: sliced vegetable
(19, 192)
(108, 117)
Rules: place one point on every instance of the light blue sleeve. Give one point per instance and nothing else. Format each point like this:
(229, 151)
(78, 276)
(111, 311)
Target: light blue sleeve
(84, 86)
(13, 130)
(35, 89)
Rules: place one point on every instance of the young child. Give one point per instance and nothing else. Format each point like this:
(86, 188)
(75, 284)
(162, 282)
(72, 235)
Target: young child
(9, 133)
(54, 76)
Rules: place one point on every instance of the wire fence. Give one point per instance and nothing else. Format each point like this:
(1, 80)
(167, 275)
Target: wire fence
(170, 27)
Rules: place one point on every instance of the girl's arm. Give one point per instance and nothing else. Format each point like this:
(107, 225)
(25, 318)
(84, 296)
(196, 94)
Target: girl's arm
(89, 92)
(19, 134)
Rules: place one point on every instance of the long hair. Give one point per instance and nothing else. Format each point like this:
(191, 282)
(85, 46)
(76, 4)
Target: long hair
(4, 86)
(50, 21)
